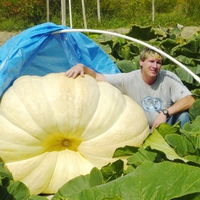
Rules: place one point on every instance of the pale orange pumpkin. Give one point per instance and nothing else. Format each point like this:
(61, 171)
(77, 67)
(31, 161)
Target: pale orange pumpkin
(55, 128)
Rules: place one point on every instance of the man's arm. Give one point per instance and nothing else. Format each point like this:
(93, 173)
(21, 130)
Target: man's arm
(179, 106)
(80, 69)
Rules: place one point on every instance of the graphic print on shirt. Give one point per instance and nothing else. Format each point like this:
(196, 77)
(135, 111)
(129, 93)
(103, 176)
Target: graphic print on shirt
(151, 104)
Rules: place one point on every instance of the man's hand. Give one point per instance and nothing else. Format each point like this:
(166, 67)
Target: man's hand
(160, 119)
(80, 69)
(75, 71)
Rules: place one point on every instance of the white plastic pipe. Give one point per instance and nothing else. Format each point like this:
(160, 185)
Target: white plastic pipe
(133, 40)
(153, 10)
(63, 12)
(47, 1)
(84, 15)
(98, 11)
(70, 13)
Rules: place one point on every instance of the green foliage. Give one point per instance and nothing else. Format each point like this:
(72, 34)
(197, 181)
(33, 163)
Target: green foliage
(31, 12)
(165, 6)
(21, 14)
(149, 181)
(185, 51)
(193, 7)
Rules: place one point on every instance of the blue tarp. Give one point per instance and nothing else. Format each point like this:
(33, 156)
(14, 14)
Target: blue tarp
(36, 51)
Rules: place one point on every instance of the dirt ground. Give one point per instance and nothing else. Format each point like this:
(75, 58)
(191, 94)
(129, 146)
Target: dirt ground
(187, 32)
(4, 36)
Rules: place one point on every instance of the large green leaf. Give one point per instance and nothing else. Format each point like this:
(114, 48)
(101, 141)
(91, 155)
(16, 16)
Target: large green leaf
(196, 94)
(79, 184)
(124, 52)
(5, 175)
(136, 156)
(181, 144)
(190, 49)
(142, 156)
(194, 110)
(157, 142)
(18, 190)
(125, 151)
(149, 181)
(112, 171)
(142, 32)
(13, 190)
(167, 45)
(198, 67)
(185, 76)
(192, 132)
(126, 65)
(186, 60)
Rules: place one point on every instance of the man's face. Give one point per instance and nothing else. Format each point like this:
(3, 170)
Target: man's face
(151, 67)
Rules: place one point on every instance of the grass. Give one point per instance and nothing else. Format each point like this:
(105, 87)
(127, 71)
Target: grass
(107, 21)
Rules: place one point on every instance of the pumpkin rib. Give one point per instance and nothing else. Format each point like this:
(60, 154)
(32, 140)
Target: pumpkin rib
(130, 137)
(7, 134)
(94, 84)
(124, 119)
(47, 94)
(11, 104)
(82, 166)
(42, 112)
(38, 178)
(102, 119)
(67, 95)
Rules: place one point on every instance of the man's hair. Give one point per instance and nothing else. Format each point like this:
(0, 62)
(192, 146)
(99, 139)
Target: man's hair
(147, 52)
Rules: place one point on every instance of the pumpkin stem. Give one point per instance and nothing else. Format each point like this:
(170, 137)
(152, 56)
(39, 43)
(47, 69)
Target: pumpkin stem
(59, 142)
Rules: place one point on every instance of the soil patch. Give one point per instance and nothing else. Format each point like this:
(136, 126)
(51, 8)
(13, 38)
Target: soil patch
(187, 32)
(4, 36)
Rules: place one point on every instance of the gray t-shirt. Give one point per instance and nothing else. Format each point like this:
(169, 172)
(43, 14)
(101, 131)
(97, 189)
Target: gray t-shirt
(166, 90)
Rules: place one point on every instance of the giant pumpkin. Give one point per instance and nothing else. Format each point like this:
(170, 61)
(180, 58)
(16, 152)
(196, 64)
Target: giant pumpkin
(55, 128)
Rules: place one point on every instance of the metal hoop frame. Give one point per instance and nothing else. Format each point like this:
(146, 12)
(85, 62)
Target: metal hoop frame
(133, 40)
